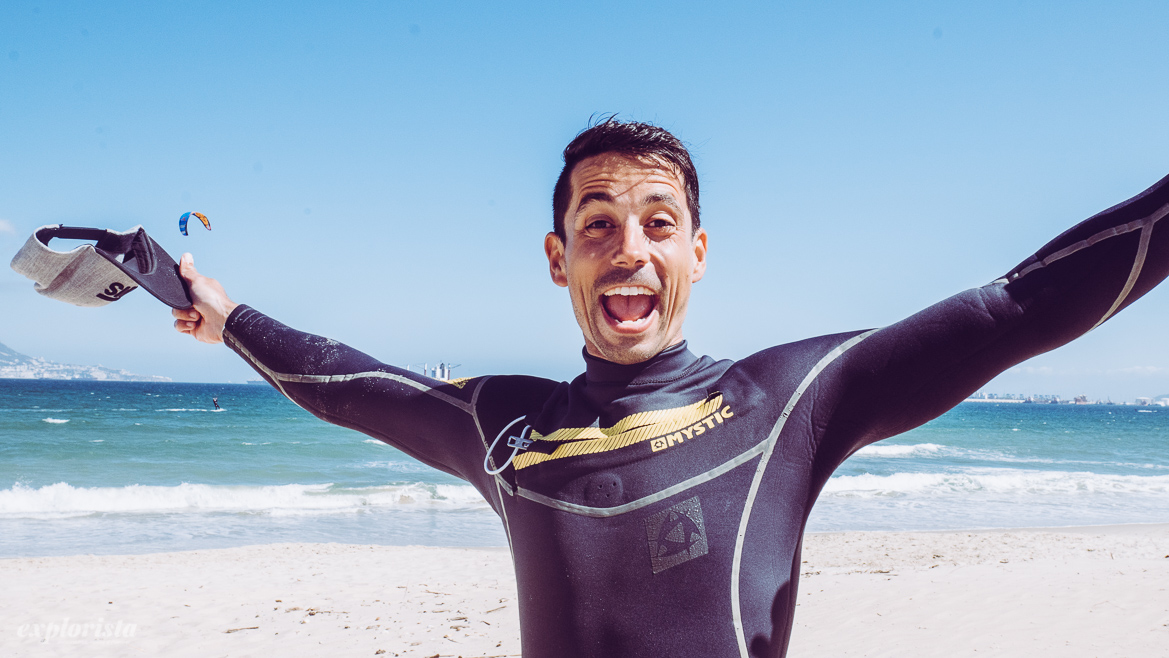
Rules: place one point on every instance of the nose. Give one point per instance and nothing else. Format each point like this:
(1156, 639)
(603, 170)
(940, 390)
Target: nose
(633, 249)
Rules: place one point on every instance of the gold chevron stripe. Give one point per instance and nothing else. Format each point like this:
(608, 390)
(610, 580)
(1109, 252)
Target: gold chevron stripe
(629, 430)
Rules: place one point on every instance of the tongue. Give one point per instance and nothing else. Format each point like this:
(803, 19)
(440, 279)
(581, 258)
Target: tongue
(629, 307)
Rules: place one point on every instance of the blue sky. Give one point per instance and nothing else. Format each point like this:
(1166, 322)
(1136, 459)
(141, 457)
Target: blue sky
(380, 172)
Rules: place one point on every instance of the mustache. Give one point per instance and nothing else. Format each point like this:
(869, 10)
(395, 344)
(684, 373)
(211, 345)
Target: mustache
(642, 277)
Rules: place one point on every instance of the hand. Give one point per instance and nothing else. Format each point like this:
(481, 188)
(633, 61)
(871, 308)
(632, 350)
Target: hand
(212, 306)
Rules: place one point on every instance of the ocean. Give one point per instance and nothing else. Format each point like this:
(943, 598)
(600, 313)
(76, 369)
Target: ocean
(126, 467)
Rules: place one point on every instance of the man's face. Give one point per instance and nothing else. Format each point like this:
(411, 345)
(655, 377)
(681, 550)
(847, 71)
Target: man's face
(629, 257)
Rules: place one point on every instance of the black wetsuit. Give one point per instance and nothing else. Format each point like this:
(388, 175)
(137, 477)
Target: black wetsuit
(660, 507)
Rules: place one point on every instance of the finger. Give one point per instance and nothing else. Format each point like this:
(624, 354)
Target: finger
(187, 267)
(185, 313)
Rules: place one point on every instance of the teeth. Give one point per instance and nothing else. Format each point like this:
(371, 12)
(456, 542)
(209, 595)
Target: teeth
(629, 291)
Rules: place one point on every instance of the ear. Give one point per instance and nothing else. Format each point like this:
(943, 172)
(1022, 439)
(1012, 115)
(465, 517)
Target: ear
(699, 256)
(554, 249)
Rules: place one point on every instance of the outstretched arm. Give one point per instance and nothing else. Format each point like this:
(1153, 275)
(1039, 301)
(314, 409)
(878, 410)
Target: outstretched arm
(429, 419)
(914, 370)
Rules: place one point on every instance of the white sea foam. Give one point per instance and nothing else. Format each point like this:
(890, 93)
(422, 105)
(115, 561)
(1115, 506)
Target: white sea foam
(63, 500)
(55, 421)
(399, 466)
(1015, 482)
(971, 455)
(916, 450)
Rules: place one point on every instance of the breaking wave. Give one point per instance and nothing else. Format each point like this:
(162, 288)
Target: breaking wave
(994, 481)
(64, 500)
(917, 450)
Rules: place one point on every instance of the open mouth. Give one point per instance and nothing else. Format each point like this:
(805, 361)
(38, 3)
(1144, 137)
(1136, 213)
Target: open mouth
(629, 306)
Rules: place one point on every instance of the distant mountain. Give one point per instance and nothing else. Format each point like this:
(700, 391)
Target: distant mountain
(14, 365)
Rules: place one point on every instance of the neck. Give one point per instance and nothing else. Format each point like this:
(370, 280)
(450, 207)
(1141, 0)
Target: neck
(669, 364)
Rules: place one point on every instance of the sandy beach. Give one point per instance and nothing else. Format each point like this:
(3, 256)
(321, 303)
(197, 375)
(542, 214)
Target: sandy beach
(1100, 591)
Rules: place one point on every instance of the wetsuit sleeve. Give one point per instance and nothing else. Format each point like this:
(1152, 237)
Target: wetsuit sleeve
(910, 372)
(431, 420)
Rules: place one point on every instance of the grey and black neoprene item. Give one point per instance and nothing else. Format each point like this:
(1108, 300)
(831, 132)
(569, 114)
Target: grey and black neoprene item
(101, 273)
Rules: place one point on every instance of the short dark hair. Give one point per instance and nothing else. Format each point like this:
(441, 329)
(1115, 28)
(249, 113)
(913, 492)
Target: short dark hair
(643, 141)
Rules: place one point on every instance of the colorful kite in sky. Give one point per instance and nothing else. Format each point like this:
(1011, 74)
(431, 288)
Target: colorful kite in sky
(187, 215)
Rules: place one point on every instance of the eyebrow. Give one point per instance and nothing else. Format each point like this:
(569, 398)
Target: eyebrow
(649, 200)
(592, 197)
(667, 199)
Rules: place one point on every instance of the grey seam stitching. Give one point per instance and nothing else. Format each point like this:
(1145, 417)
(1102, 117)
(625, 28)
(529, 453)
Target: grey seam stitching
(1138, 262)
(1115, 231)
(483, 437)
(772, 439)
(603, 512)
(371, 374)
(256, 362)
(475, 410)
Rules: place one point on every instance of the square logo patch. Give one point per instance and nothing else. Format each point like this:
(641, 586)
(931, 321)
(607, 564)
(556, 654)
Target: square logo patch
(676, 535)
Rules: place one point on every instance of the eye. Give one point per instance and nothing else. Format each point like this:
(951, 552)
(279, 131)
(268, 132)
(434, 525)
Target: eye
(661, 225)
(599, 223)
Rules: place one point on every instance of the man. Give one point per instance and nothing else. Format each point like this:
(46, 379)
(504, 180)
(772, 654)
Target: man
(655, 505)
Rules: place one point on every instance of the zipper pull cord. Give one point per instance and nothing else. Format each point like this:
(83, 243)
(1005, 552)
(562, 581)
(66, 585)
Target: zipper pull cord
(517, 442)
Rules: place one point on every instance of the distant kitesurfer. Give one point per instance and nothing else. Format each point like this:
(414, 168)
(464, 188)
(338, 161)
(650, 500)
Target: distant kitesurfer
(655, 505)
(215, 401)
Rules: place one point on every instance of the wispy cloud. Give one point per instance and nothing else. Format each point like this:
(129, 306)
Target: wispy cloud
(7, 227)
(1140, 370)
(1033, 370)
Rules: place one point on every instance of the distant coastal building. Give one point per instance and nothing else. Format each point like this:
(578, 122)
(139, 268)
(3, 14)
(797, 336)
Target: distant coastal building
(1014, 398)
(14, 365)
(1009, 398)
(438, 371)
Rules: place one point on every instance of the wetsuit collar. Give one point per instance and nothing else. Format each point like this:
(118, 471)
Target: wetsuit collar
(665, 366)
